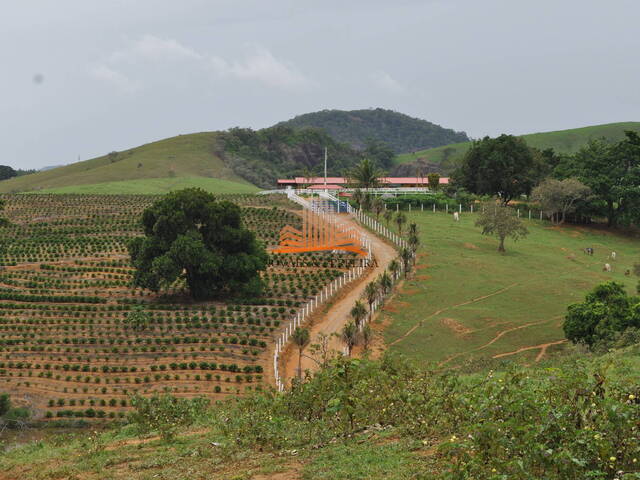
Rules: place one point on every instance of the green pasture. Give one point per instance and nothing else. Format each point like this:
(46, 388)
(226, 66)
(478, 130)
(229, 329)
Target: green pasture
(527, 290)
(562, 141)
(154, 186)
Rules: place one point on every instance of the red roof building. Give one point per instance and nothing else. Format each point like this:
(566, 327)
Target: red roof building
(334, 183)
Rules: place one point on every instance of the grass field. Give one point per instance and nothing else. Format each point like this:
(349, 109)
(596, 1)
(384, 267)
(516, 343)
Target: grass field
(562, 141)
(156, 186)
(182, 156)
(527, 290)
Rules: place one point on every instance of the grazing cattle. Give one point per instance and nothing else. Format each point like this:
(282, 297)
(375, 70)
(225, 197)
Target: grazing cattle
(588, 251)
(627, 272)
(456, 216)
(606, 268)
(613, 255)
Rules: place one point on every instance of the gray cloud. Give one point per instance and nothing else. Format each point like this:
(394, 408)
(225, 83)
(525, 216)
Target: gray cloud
(123, 73)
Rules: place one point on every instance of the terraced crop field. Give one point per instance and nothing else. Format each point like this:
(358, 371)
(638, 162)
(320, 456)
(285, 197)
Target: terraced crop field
(67, 348)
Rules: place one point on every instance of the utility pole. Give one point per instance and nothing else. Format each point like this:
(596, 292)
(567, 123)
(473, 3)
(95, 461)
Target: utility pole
(325, 169)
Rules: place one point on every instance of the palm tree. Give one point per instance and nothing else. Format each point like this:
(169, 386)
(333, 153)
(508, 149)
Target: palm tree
(385, 283)
(365, 174)
(366, 201)
(406, 256)
(349, 336)
(358, 312)
(377, 205)
(387, 215)
(413, 229)
(413, 242)
(367, 336)
(401, 219)
(394, 267)
(300, 339)
(371, 292)
(358, 196)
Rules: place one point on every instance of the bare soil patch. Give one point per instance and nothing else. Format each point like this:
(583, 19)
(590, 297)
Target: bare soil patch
(456, 327)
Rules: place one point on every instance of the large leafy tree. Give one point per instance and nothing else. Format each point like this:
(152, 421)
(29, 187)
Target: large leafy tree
(190, 234)
(606, 310)
(559, 197)
(503, 166)
(612, 172)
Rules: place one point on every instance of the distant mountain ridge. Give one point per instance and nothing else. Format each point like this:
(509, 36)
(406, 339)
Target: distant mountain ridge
(355, 127)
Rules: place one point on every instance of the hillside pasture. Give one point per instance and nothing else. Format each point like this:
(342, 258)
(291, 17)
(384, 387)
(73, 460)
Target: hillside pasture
(562, 141)
(181, 156)
(467, 301)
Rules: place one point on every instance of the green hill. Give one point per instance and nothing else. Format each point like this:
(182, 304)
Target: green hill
(401, 132)
(192, 155)
(562, 141)
(239, 159)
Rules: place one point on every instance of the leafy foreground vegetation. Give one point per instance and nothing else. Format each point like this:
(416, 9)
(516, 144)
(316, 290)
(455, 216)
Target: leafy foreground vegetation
(385, 419)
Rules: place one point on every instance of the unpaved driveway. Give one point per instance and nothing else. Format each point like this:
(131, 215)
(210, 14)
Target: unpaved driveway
(337, 315)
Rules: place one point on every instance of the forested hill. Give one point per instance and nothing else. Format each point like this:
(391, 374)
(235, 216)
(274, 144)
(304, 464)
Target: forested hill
(263, 156)
(355, 127)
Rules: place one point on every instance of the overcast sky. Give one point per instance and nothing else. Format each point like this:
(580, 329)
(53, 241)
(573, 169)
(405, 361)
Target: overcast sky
(80, 78)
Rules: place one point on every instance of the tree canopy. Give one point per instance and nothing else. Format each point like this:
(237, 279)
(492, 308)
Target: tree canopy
(607, 310)
(612, 172)
(558, 198)
(191, 235)
(400, 132)
(380, 152)
(502, 222)
(7, 172)
(503, 166)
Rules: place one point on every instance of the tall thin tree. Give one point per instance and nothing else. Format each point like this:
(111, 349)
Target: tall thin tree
(301, 340)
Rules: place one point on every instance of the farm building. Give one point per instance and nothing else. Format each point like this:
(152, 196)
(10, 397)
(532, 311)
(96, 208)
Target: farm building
(336, 183)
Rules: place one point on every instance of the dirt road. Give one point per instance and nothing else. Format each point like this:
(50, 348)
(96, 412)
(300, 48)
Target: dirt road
(337, 315)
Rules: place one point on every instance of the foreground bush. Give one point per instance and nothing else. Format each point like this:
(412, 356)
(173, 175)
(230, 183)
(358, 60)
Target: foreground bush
(578, 421)
(165, 414)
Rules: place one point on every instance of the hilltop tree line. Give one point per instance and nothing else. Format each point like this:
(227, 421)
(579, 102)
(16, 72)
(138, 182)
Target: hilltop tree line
(599, 181)
(358, 128)
(7, 172)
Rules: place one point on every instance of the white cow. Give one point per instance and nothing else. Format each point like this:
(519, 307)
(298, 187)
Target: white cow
(456, 216)
(613, 255)
(606, 268)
